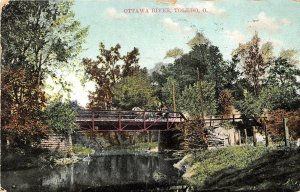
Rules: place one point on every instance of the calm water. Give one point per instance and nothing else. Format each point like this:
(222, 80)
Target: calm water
(110, 171)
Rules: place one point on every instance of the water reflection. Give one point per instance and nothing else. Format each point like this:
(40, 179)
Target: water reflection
(100, 171)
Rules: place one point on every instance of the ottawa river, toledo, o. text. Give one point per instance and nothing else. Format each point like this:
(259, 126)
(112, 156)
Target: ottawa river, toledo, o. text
(164, 10)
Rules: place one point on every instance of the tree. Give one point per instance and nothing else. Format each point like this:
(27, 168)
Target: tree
(255, 61)
(170, 92)
(61, 116)
(203, 63)
(174, 53)
(107, 71)
(22, 120)
(40, 36)
(254, 106)
(134, 91)
(226, 101)
(290, 55)
(283, 75)
(189, 100)
(37, 37)
(198, 40)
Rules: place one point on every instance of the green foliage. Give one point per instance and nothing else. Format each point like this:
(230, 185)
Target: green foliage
(280, 91)
(167, 92)
(190, 99)
(253, 106)
(37, 38)
(290, 55)
(61, 117)
(198, 40)
(174, 53)
(80, 150)
(134, 91)
(204, 62)
(283, 76)
(143, 146)
(40, 35)
(254, 61)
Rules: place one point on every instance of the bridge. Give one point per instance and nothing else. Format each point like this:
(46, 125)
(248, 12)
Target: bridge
(135, 121)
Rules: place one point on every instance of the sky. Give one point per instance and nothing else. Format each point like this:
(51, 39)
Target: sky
(226, 23)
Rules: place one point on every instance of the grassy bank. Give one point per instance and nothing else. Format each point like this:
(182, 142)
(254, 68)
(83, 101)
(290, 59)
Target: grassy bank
(244, 168)
(142, 147)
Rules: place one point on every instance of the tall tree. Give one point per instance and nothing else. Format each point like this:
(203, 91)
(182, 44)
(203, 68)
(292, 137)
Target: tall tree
(134, 91)
(283, 75)
(109, 68)
(37, 37)
(189, 100)
(254, 60)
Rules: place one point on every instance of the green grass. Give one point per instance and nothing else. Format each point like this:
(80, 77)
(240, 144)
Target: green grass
(143, 146)
(244, 167)
(80, 150)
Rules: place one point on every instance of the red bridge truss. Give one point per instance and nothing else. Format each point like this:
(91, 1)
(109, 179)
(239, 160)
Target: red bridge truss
(137, 121)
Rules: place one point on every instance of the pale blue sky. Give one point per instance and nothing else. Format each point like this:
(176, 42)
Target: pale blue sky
(226, 23)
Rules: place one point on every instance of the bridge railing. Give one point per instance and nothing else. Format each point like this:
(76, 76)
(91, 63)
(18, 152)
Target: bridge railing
(122, 120)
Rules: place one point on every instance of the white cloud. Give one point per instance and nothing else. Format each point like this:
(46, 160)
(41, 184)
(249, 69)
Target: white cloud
(265, 23)
(235, 36)
(275, 42)
(210, 7)
(174, 26)
(285, 21)
(113, 13)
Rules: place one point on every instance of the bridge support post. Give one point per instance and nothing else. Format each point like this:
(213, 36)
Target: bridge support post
(246, 137)
(164, 141)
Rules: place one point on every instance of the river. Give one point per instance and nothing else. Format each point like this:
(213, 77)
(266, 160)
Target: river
(101, 173)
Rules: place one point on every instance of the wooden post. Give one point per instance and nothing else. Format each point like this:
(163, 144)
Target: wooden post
(254, 136)
(266, 133)
(246, 137)
(133, 138)
(234, 138)
(186, 145)
(286, 132)
(149, 137)
(239, 137)
(93, 121)
(210, 121)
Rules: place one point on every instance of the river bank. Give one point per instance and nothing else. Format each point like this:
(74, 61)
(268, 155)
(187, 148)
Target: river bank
(243, 168)
(15, 158)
